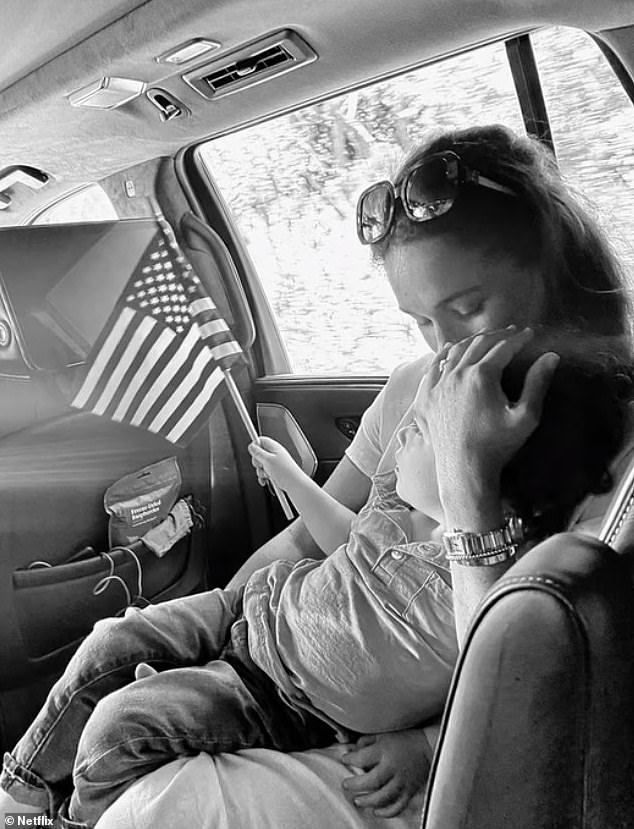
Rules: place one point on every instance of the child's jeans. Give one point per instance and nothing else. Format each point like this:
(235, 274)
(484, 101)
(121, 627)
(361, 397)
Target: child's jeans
(100, 730)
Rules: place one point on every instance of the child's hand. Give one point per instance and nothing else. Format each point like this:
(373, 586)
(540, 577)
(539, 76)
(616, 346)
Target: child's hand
(394, 766)
(273, 463)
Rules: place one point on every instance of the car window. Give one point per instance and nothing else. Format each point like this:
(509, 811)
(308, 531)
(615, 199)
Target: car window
(90, 204)
(592, 124)
(291, 185)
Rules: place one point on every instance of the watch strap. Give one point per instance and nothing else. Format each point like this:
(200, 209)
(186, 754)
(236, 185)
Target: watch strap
(485, 548)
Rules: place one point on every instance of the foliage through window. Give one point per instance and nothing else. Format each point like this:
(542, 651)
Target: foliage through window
(592, 123)
(292, 184)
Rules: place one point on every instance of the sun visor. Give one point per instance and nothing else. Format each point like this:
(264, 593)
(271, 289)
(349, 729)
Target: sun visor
(58, 286)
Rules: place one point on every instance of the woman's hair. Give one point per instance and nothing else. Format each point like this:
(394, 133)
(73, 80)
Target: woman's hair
(582, 426)
(542, 225)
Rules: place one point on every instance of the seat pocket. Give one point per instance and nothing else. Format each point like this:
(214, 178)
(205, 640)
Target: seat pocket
(56, 605)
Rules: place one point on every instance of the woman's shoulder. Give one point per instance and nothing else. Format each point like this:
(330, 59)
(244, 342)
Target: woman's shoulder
(411, 371)
(405, 379)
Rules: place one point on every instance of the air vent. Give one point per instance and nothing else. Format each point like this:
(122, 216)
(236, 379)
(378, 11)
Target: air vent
(259, 61)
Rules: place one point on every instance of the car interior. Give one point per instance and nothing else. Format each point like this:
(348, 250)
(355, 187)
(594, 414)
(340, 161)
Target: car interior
(250, 127)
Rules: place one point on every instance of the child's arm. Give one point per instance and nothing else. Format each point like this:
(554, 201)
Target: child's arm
(327, 520)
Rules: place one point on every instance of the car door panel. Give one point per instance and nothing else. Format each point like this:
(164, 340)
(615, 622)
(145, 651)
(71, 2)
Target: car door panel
(56, 464)
(51, 499)
(326, 409)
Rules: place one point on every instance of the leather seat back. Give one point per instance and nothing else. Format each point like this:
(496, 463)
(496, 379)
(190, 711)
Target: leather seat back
(538, 731)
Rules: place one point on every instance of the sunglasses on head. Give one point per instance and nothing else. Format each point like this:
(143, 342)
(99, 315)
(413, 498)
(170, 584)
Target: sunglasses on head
(428, 190)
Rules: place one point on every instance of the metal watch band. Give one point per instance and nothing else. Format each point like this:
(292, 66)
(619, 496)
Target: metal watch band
(494, 557)
(486, 548)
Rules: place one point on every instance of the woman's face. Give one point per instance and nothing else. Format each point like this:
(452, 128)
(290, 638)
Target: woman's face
(453, 291)
(416, 481)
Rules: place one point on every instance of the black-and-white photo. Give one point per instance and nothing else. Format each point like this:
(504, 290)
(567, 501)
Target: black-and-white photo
(317, 414)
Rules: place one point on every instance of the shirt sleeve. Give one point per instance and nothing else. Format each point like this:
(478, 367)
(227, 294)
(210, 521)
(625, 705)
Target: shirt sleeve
(383, 416)
(366, 448)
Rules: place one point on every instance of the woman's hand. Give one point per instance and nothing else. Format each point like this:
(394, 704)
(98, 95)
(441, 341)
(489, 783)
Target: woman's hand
(393, 767)
(473, 427)
(273, 463)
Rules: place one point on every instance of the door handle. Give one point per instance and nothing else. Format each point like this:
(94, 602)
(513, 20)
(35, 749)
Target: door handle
(348, 425)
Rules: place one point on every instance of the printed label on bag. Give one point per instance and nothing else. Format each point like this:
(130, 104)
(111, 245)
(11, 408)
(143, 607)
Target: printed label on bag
(140, 501)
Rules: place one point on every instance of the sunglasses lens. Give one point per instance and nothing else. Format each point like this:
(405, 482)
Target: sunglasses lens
(374, 213)
(430, 189)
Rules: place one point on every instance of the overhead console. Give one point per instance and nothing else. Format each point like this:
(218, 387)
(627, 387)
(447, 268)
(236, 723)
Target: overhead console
(253, 63)
(259, 60)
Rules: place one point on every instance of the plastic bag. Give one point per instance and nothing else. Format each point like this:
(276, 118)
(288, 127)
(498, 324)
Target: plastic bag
(140, 501)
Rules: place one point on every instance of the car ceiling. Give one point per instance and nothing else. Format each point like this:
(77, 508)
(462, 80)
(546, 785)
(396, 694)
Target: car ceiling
(60, 46)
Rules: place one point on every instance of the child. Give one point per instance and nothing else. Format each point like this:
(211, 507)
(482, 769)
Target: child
(361, 642)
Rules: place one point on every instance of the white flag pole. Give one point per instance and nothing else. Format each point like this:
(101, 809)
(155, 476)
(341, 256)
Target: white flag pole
(244, 414)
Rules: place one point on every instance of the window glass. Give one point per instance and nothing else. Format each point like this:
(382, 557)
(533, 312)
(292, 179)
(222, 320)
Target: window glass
(592, 122)
(292, 186)
(91, 204)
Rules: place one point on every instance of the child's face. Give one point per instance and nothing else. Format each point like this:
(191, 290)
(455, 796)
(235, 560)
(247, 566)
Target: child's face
(416, 481)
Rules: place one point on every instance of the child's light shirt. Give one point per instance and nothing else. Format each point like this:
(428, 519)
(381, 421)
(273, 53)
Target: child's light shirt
(366, 636)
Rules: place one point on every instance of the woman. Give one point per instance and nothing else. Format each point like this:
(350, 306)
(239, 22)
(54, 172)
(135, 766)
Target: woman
(477, 233)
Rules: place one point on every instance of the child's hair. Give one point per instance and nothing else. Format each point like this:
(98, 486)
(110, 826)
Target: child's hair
(582, 426)
(541, 225)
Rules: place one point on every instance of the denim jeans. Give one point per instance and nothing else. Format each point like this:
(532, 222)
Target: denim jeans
(100, 729)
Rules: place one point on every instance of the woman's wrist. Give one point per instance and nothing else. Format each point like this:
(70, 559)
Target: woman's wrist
(474, 518)
(472, 505)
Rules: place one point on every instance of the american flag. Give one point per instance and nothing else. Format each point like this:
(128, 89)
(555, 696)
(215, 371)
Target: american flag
(159, 361)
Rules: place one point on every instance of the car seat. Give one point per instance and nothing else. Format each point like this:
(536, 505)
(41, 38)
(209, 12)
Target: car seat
(538, 730)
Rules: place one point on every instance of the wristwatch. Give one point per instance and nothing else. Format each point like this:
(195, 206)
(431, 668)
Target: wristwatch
(482, 549)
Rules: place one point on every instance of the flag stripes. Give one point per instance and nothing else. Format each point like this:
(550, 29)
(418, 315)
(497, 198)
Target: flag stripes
(214, 330)
(169, 394)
